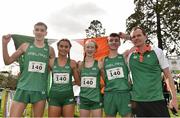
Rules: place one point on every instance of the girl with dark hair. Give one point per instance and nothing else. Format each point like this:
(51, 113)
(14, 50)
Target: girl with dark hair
(61, 96)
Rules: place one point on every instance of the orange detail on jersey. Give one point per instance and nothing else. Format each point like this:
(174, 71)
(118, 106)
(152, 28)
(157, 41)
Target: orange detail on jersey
(146, 48)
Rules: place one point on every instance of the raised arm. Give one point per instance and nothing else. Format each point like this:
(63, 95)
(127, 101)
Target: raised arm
(10, 59)
(124, 36)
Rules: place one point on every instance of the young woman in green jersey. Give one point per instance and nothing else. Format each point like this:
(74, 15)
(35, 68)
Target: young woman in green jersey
(61, 96)
(32, 82)
(90, 95)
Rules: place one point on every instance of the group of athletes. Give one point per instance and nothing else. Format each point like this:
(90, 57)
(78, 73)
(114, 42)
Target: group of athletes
(140, 96)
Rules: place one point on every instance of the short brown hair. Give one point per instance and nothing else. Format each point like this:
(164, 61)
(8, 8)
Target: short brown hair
(137, 27)
(41, 24)
(114, 35)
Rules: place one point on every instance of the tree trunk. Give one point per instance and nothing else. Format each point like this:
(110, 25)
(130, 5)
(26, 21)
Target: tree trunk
(159, 35)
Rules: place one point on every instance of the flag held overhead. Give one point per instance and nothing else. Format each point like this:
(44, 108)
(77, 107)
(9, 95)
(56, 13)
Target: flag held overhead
(20, 39)
(103, 49)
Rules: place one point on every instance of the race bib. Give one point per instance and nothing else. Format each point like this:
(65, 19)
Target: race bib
(115, 73)
(61, 78)
(88, 82)
(35, 66)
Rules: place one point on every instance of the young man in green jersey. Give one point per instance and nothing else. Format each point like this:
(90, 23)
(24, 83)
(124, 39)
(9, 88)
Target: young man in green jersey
(146, 64)
(117, 89)
(32, 82)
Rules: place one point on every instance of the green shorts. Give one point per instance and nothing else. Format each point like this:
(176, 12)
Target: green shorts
(60, 102)
(117, 102)
(60, 99)
(90, 105)
(26, 96)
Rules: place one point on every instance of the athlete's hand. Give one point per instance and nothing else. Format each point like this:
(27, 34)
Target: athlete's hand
(173, 103)
(123, 35)
(6, 39)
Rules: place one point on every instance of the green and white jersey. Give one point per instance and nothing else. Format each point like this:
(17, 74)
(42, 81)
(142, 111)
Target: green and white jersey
(90, 83)
(116, 74)
(34, 76)
(146, 75)
(62, 77)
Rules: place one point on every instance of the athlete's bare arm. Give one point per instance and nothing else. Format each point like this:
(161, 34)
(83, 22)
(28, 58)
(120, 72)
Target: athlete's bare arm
(75, 72)
(10, 59)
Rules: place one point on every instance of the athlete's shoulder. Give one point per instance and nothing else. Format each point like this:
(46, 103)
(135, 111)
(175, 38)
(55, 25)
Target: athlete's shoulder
(51, 52)
(157, 50)
(73, 63)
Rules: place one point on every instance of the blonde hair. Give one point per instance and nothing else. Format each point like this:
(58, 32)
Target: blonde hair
(86, 42)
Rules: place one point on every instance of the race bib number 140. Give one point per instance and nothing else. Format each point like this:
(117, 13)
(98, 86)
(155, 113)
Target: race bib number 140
(61, 78)
(88, 82)
(35, 66)
(115, 73)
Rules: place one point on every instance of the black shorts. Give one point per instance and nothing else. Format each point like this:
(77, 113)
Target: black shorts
(150, 109)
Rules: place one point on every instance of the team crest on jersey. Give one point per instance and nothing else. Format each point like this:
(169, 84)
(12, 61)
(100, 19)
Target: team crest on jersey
(55, 66)
(135, 57)
(94, 68)
(31, 46)
(106, 60)
(43, 92)
(45, 49)
(66, 67)
(148, 56)
(119, 57)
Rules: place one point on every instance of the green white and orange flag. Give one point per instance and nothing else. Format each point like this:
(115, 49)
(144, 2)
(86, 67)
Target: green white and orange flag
(103, 49)
(19, 39)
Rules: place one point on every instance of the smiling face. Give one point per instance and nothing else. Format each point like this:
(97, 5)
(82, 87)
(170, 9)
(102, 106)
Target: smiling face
(63, 47)
(113, 42)
(90, 48)
(40, 31)
(138, 37)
